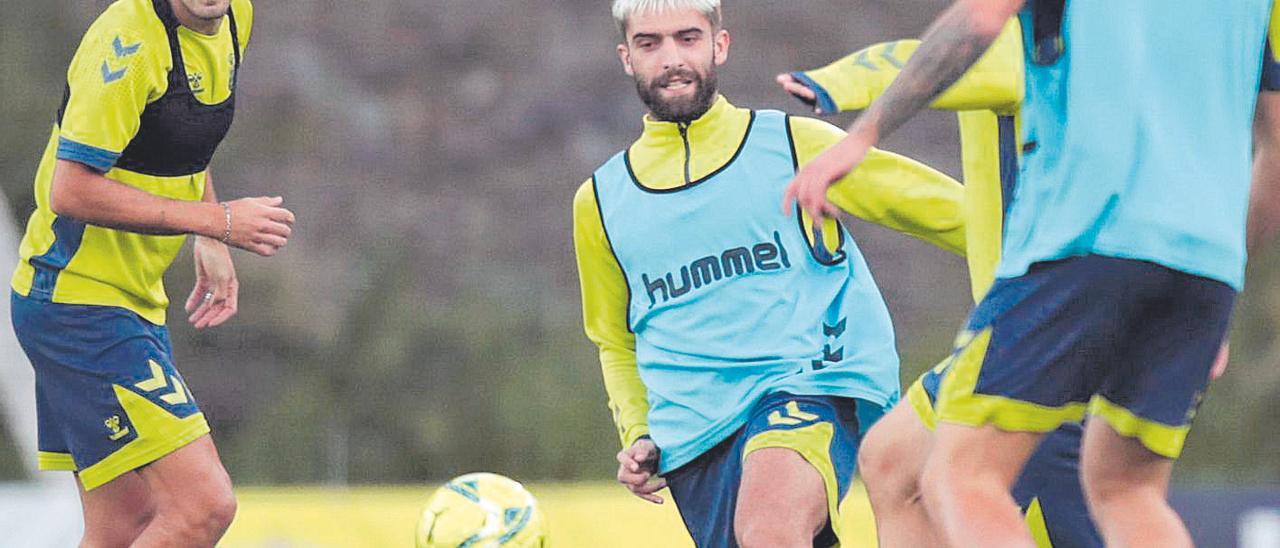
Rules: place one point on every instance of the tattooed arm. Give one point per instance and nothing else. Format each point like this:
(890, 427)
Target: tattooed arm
(954, 42)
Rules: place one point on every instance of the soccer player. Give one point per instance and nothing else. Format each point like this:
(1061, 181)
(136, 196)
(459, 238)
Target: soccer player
(893, 452)
(150, 94)
(1124, 249)
(744, 353)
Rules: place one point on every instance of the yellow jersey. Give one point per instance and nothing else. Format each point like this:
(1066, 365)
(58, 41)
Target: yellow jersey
(120, 68)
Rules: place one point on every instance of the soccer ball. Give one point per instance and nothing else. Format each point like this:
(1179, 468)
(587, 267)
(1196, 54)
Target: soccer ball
(481, 510)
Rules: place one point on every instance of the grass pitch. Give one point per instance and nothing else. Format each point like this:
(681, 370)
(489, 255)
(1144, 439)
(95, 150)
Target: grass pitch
(588, 515)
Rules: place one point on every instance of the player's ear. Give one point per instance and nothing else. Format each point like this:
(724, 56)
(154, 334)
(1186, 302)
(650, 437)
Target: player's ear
(624, 55)
(721, 44)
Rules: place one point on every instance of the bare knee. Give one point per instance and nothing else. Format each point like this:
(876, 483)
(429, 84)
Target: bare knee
(205, 514)
(890, 468)
(752, 534)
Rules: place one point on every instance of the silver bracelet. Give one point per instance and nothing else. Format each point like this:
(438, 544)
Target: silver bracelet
(226, 233)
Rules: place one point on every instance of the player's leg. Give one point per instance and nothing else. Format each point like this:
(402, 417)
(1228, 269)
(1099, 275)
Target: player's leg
(116, 513)
(1027, 364)
(1127, 487)
(1142, 413)
(193, 497)
(799, 457)
(890, 462)
(782, 500)
(967, 482)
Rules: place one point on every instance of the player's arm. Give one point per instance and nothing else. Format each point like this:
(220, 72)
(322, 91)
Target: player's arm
(605, 299)
(890, 190)
(953, 43)
(995, 82)
(112, 78)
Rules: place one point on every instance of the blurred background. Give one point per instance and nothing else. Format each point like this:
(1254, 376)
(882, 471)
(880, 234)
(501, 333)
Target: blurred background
(424, 320)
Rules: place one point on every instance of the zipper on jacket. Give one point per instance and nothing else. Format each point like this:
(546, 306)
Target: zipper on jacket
(684, 136)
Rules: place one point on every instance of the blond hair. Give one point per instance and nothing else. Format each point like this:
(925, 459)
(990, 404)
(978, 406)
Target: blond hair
(624, 9)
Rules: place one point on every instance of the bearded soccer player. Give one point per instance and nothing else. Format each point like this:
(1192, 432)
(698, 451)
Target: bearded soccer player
(1124, 249)
(988, 98)
(150, 94)
(744, 353)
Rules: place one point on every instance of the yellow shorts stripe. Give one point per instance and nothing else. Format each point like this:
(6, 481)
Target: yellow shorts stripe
(159, 433)
(55, 462)
(957, 402)
(919, 400)
(1035, 521)
(813, 443)
(1161, 439)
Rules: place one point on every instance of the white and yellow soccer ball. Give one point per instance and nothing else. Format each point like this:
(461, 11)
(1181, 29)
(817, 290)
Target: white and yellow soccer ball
(482, 510)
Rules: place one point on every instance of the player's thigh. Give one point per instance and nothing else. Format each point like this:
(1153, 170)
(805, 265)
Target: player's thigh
(810, 442)
(1113, 463)
(780, 489)
(986, 454)
(191, 481)
(117, 512)
(892, 454)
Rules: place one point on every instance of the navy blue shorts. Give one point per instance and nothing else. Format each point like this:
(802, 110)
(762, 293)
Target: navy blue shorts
(1129, 342)
(108, 399)
(826, 431)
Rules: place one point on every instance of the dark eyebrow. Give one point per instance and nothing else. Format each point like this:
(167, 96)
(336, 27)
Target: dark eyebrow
(689, 31)
(643, 35)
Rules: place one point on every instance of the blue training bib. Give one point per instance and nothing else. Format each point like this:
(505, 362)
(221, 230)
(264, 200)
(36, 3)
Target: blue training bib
(1137, 123)
(730, 302)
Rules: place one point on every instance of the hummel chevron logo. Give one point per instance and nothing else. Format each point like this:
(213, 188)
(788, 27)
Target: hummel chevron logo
(109, 75)
(158, 382)
(791, 415)
(864, 58)
(123, 50)
(834, 330)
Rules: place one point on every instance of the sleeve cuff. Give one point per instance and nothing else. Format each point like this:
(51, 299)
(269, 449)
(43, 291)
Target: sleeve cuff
(96, 158)
(823, 101)
(634, 434)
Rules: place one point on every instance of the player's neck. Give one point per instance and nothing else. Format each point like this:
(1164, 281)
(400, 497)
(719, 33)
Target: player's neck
(191, 21)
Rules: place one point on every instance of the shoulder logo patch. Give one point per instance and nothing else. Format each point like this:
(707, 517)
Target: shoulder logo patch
(122, 50)
(109, 76)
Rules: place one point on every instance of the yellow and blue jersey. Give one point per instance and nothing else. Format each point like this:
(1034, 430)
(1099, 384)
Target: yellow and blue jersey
(890, 190)
(120, 73)
(1137, 124)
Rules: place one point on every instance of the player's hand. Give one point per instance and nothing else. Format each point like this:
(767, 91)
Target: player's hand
(1220, 363)
(260, 225)
(799, 91)
(809, 187)
(637, 470)
(214, 298)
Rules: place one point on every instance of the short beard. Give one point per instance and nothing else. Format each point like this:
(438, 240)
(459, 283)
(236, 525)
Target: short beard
(680, 110)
